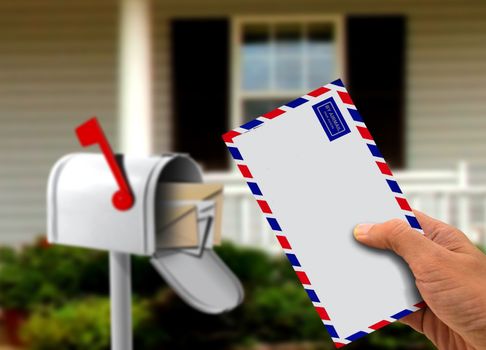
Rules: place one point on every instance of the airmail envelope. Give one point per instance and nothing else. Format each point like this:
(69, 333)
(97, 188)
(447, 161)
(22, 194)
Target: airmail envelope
(195, 192)
(316, 172)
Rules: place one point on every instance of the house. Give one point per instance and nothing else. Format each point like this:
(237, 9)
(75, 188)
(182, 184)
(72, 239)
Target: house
(416, 70)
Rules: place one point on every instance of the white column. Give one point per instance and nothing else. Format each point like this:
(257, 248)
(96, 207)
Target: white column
(135, 77)
(135, 137)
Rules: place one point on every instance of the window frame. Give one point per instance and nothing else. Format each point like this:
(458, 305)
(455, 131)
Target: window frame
(237, 95)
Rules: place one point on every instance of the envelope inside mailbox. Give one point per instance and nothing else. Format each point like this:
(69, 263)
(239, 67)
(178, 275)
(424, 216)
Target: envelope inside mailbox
(205, 224)
(177, 226)
(189, 216)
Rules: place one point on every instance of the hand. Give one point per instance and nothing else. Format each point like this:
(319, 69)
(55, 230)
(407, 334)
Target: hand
(450, 274)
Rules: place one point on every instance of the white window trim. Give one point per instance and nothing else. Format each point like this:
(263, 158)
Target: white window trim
(231, 176)
(237, 95)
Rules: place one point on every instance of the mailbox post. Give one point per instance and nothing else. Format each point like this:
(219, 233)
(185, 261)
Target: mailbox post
(120, 299)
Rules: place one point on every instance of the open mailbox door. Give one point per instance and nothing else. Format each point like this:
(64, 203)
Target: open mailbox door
(177, 232)
(204, 281)
(196, 273)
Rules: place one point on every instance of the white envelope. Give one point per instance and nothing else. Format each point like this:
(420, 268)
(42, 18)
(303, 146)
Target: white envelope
(316, 172)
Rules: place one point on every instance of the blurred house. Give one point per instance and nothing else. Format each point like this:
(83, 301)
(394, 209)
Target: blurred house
(416, 70)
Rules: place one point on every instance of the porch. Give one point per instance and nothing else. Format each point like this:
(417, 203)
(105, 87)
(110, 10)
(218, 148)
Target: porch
(446, 195)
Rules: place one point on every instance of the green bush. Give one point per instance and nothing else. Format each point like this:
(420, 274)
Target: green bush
(54, 282)
(252, 266)
(82, 324)
(283, 313)
(42, 274)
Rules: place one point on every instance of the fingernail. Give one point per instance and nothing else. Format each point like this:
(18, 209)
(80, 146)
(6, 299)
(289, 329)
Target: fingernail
(361, 230)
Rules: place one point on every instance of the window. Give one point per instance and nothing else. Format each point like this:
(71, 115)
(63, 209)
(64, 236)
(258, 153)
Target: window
(279, 59)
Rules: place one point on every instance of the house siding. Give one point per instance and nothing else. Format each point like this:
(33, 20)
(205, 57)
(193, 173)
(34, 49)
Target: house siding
(446, 109)
(58, 66)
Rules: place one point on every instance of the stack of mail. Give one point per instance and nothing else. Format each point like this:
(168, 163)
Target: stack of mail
(189, 216)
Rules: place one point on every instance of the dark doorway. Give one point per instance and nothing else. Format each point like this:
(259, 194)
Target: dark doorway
(200, 59)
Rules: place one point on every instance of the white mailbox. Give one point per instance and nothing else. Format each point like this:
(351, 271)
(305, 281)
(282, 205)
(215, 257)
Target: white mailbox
(81, 213)
(80, 209)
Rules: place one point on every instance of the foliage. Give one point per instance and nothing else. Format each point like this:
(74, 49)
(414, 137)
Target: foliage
(276, 309)
(52, 274)
(83, 324)
(41, 274)
(252, 266)
(58, 284)
(283, 313)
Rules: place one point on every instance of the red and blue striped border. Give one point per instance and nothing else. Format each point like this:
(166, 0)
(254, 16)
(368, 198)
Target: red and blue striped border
(338, 87)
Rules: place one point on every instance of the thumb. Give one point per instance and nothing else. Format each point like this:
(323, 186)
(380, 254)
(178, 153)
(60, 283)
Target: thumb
(398, 236)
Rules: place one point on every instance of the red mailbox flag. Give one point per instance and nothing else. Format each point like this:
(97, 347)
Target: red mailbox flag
(90, 133)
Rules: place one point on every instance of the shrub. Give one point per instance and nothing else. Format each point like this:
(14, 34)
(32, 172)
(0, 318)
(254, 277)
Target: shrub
(42, 274)
(283, 313)
(54, 282)
(82, 324)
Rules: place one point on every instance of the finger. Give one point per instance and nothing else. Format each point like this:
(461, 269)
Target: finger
(414, 320)
(443, 234)
(398, 236)
(428, 223)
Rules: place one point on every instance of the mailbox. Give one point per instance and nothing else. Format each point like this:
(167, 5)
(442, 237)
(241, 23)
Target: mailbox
(80, 213)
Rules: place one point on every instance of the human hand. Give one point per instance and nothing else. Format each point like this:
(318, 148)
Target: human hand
(450, 274)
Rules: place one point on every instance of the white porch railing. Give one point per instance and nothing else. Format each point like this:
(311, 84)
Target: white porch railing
(444, 194)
